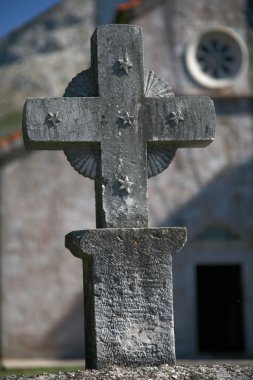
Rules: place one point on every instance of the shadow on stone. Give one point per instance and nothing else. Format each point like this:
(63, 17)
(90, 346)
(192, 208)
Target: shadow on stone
(220, 202)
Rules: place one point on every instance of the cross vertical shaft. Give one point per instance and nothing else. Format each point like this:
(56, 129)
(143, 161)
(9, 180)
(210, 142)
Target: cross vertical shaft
(121, 185)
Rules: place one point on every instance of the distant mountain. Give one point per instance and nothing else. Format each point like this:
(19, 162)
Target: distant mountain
(40, 58)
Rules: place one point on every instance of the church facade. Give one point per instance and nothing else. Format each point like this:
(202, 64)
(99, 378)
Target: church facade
(203, 48)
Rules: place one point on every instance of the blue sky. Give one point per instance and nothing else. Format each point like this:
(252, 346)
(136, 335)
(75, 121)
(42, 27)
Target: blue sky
(14, 13)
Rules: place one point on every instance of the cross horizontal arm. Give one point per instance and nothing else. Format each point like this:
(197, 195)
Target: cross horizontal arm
(57, 123)
(180, 121)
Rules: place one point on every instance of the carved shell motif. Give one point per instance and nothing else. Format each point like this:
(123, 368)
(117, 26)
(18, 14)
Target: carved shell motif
(85, 160)
(158, 157)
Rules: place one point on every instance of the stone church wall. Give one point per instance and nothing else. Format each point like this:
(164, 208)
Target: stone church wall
(42, 199)
(210, 187)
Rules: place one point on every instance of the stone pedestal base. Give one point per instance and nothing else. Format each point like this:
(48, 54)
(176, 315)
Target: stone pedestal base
(128, 294)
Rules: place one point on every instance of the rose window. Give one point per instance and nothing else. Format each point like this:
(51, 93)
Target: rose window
(217, 57)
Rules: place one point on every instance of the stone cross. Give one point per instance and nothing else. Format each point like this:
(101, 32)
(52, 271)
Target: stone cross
(122, 122)
(119, 124)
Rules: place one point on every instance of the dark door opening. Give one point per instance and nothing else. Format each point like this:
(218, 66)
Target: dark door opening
(220, 308)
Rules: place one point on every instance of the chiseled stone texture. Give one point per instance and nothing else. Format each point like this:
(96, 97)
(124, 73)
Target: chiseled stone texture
(128, 293)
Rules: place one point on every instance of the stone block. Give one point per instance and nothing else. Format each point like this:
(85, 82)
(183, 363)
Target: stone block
(128, 294)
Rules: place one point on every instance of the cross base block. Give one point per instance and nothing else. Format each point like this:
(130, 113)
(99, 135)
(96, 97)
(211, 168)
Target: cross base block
(128, 294)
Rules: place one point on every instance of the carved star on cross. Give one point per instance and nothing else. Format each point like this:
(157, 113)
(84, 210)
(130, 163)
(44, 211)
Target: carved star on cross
(125, 184)
(175, 117)
(53, 118)
(125, 65)
(126, 118)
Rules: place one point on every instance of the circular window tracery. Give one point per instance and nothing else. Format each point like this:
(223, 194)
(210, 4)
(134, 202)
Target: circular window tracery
(217, 57)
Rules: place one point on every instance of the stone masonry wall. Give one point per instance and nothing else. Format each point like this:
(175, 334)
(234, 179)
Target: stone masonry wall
(43, 199)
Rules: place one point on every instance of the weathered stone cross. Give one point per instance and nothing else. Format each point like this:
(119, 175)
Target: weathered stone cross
(123, 121)
(127, 115)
